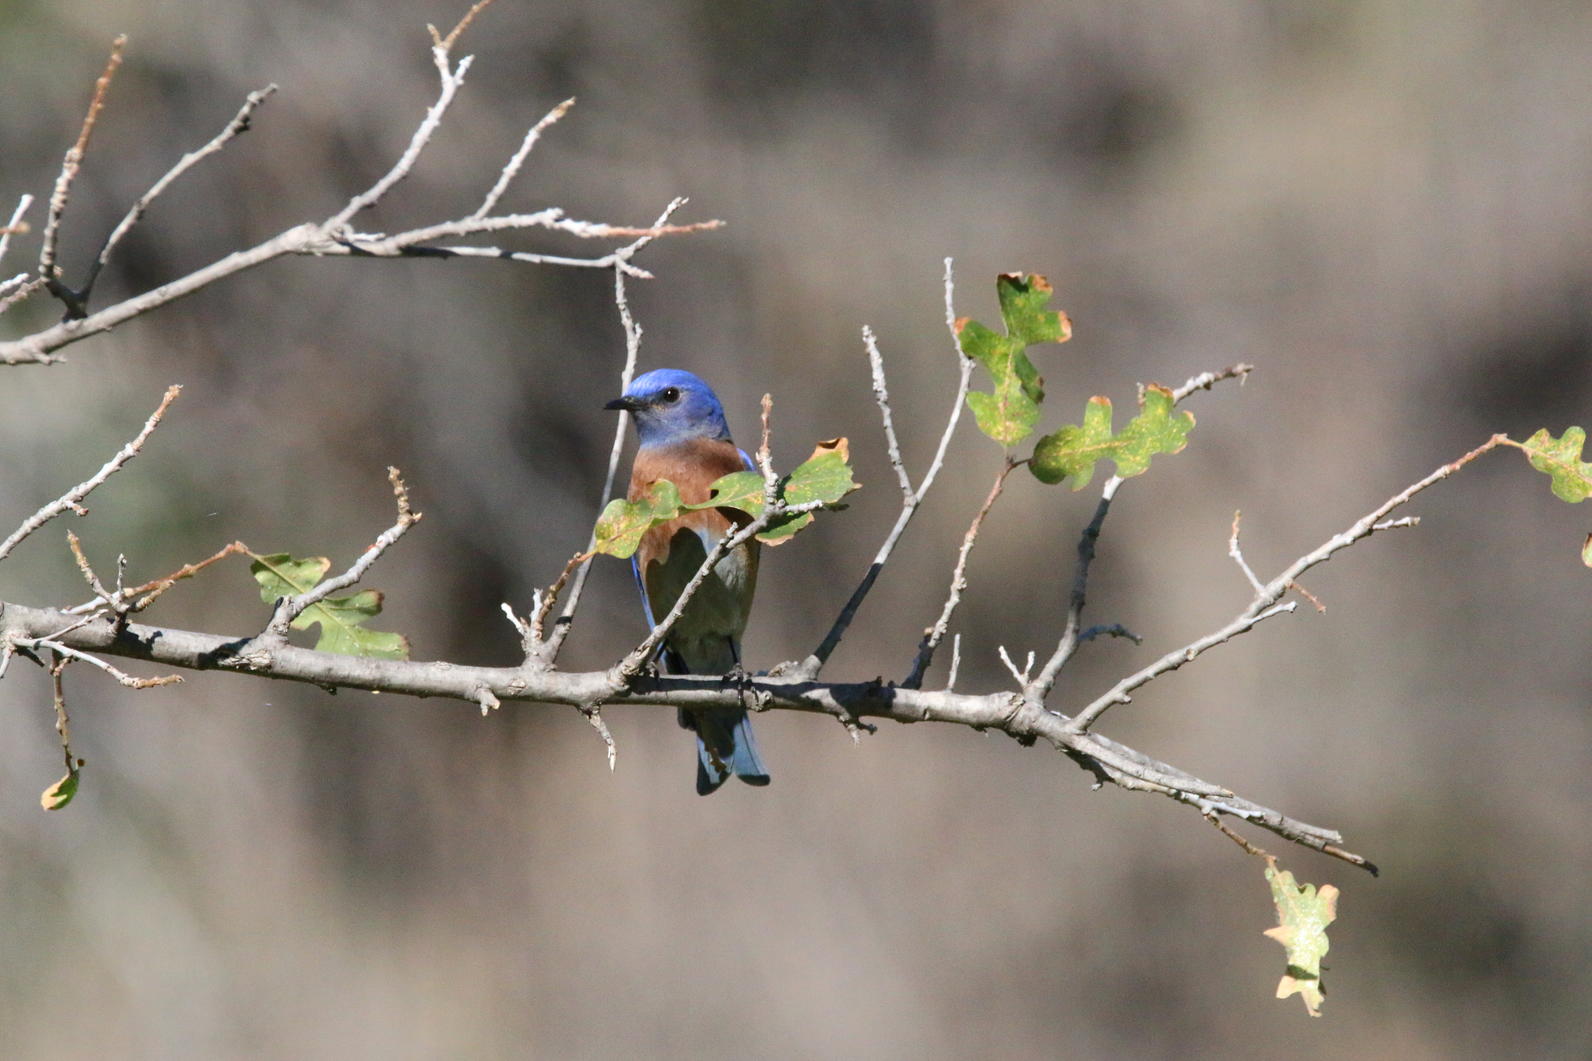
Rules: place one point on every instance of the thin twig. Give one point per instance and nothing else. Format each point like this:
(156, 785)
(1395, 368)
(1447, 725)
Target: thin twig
(156, 587)
(1237, 554)
(1216, 819)
(72, 163)
(881, 395)
(911, 498)
(445, 44)
(451, 80)
(72, 498)
(153, 589)
(594, 715)
(21, 294)
(512, 168)
(956, 662)
(239, 124)
(16, 226)
(936, 633)
(112, 598)
(1206, 380)
(290, 608)
(1022, 676)
(544, 600)
(120, 675)
(528, 641)
(63, 724)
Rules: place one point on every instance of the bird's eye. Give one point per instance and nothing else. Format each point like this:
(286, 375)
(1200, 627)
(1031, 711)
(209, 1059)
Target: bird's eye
(670, 394)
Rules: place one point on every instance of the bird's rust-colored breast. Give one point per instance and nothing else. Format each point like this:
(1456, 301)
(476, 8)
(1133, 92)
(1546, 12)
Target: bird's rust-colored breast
(693, 467)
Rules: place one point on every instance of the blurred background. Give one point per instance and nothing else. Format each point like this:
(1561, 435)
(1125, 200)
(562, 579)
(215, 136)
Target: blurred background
(1382, 205)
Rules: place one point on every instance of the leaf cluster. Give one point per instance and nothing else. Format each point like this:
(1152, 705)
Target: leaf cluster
(824, 478)
(1009, 411)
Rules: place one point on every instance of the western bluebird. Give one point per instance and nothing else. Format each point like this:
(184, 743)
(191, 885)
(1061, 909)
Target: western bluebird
(685, 440)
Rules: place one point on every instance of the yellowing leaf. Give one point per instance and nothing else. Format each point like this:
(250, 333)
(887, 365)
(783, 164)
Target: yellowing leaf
(1303, 914)
(1560, 459)
(825, 477)
(60, 794)
(1008, 412)
(341, 618)
(622, 523)
(1070, 453)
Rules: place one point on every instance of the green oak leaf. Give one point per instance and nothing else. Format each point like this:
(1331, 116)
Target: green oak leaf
(341, 618)
(742, 491)
(1303, 914)
(1008, 412)
(1023, 300)
(1560, 459)
(825, 476)
(1070, 453)
(622, 523)
(60, 794)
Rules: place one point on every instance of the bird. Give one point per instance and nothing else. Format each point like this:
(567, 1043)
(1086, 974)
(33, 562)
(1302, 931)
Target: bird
(685, 439)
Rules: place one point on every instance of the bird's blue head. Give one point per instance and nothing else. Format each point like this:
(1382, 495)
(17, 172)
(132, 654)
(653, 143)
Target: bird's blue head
(671, 405)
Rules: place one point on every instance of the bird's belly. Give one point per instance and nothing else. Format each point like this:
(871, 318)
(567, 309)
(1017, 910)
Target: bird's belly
(716, 615)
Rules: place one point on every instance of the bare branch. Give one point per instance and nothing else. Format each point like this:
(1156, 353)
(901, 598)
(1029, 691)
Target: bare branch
(1265, 605)
(73, 161)
(290, 608)
(1071, 637)
(512, 168)
(1109, 761)
(331, 237)
(238, 125)
(451, 80)
(1119, 693)
(72, 498)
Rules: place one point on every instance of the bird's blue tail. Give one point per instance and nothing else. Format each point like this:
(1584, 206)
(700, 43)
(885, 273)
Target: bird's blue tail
(725, 746)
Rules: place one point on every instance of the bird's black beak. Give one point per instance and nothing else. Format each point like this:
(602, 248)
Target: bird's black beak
(627, 403)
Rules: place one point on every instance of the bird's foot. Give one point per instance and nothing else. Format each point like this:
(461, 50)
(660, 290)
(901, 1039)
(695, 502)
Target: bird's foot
(740, 679)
